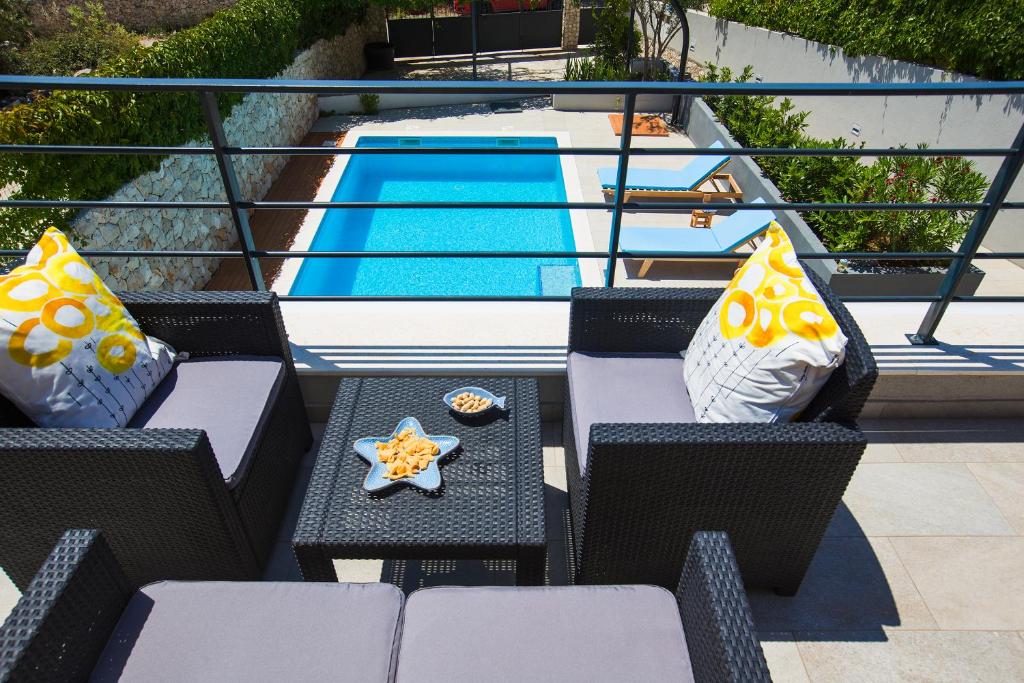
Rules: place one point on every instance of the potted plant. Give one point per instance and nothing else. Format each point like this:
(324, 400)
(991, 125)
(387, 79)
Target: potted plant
(903, 180)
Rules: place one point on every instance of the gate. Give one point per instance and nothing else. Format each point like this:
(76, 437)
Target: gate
(589, 10)
(502, 26)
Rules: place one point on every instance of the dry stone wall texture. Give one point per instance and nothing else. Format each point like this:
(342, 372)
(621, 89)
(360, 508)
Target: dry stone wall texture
(260, 120)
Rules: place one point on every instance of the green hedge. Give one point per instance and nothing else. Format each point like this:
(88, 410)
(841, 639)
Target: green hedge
(252, 39)
(980, 37)
(763, 122)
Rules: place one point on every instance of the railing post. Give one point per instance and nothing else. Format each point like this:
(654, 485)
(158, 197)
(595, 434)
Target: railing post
(474, 13)
(628, 106)
(994, 199)
(240, 217)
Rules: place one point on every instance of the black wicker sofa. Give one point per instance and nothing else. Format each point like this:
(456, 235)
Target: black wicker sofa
(82, 618)
(197, 485)
(645, 475)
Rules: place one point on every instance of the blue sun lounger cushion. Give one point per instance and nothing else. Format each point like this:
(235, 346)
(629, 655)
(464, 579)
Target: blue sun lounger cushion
(722, 237)
(689, 177)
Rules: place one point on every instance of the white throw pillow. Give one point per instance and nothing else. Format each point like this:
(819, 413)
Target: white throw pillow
(70, 353)
(768, 344)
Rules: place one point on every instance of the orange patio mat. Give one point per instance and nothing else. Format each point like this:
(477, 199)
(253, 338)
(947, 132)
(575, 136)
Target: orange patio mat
(643, 124)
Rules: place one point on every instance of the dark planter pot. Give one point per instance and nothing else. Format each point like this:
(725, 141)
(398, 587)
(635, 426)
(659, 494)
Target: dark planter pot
(872, 280)
(379, 56)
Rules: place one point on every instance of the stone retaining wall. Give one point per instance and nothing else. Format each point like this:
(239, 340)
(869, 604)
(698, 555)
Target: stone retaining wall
(260, 120)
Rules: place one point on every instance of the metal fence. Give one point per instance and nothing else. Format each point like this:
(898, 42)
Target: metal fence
(206, 90)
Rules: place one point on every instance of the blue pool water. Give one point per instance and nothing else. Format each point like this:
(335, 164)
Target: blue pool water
(435, 178)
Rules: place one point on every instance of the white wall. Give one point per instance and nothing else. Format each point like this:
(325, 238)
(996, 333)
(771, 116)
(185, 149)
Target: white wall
(990, 121)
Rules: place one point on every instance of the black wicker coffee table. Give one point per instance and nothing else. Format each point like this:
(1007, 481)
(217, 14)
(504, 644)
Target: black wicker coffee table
(490, 506)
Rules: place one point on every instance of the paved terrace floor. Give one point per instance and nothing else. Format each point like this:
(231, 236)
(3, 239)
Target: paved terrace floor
(920, 576)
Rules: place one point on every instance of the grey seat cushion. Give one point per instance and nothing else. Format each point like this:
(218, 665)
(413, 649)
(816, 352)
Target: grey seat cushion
(567, 633)
(625, 388)
(241, 631)
(229, 398)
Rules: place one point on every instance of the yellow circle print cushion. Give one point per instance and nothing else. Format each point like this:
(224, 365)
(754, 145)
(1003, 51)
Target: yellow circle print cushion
(72, 356)
(768, 343)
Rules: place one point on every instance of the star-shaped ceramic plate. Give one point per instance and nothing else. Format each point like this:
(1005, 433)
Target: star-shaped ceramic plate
(428, 480)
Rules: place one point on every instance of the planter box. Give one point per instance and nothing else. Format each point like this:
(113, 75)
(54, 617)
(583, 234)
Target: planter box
(908, 281)
(644, 103)
(704, 129)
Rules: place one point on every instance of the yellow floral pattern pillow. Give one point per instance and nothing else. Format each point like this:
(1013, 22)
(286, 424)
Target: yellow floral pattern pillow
(72, 355)
(767, 346)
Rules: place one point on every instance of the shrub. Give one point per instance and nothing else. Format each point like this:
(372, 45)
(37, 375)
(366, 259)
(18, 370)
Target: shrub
(592, 69)
(14, 32)
(760, 122)
(370, 102)
(92, 39)
(254, 38)
(978, 37)
(612, 34)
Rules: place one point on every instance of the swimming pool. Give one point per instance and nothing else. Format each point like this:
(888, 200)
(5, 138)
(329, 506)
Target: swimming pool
(436, 178)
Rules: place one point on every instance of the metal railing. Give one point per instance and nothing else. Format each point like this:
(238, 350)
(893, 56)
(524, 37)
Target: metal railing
(206, 90)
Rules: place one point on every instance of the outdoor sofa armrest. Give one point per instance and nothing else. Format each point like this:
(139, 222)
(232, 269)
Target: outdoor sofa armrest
(636, 319)
(716, 616)
(157, 494)
(59, 628)
(648, 488)
(213, 323)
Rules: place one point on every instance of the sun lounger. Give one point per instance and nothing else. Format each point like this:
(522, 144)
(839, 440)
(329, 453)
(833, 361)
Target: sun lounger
(723, 237)
(684, 183)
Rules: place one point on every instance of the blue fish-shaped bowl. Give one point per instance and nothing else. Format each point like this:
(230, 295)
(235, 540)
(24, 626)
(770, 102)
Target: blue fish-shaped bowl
(497, 402)
(428, 480)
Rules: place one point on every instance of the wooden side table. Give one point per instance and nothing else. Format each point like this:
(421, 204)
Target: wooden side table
(701, 219)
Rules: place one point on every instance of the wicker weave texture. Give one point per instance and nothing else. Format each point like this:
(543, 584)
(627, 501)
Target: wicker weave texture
(159, 495)
(62, 622)
(491, 504)
(773, 488)
(719, 629)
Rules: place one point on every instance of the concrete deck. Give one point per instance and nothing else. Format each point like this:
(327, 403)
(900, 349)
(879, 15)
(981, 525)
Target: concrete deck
(920, 576)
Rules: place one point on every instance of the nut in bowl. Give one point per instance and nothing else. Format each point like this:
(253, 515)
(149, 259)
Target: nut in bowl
(473, 401)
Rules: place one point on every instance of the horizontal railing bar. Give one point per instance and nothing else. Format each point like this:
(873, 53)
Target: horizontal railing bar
(989, 299)
(528, 151)
(101, 204)
(249, 85)
(633, 151)
(103, 149)
(302, 297)
(703, 255)
(891, 299)
(126, 253)
(629, 206)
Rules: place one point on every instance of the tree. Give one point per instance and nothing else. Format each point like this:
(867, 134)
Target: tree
(14, 32)
(661, 21)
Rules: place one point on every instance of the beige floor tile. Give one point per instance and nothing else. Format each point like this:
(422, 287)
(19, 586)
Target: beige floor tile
(880, 446)
(920, 499)
(554, 456)
(956, 440)
(9, 595)
(359, 571)
(853, 583)
(783, 657)
(1004, 481)
(913, 656)
(968, 583)
(555, 476)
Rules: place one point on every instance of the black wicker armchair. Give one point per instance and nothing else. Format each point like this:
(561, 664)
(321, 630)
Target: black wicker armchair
(641, 490)
(63, 625)
(159, 495)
